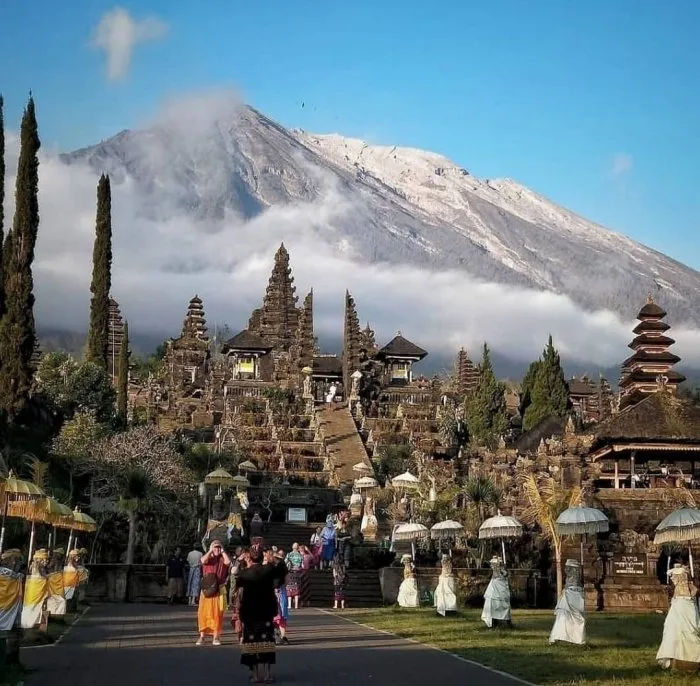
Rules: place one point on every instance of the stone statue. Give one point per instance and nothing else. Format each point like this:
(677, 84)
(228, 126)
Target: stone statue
(497, 597)
(408, 591)
(36, 590)
(570, 619)
(11, 584)
(56, 603)
(218, 525)
(307, 386)
(445, 595)
(356, 504)
(369, 525)
(681, 641)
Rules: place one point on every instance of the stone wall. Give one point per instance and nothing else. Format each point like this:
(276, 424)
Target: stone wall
(116, 583)
(640, 509)
(528, 588)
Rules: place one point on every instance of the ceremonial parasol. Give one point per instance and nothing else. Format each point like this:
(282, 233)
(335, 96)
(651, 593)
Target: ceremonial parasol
(14, 490)
(81, 522)
(362, 468)
(247, 466)
(405, 480)
(45, 510)
(681, 526)
(365, 482)
(501, 526)
(579, 521)
(411, 532)
(240, 482)
(219, 477)
(445, 529)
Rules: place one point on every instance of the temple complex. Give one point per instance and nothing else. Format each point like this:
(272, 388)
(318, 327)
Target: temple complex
(591, 401)
(467, 374)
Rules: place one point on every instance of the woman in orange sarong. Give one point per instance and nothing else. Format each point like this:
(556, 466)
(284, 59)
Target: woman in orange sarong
(212, 600)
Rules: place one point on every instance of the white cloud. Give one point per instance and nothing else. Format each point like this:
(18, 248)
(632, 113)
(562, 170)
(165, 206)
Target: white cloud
(622, 163)
(160, 265)
(118, 33)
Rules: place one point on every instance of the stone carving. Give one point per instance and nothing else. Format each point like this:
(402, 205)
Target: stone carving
(634, 542)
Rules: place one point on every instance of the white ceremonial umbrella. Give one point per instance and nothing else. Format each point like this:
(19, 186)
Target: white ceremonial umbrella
(411, 532)
(366, 482)
(501, 526)
(405, 480)
(579, 521)
(445, 529)
(681, 526)
(362, 468)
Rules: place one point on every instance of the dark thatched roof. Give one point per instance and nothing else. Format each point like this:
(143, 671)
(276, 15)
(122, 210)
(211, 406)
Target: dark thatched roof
(580, 387)
(327, 365)
(547, 428)
(399, 346)
(660, 417)
(246, 340)
(651, 325)
(651, 309)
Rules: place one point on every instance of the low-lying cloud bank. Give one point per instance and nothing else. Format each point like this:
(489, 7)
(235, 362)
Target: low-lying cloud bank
(160, 265)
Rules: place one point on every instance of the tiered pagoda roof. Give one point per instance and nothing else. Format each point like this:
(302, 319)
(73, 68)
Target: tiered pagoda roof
(194, 329)
(467, 374)
(277, 320)
(352, 339)
(115, 337)
(246, 341)
(651, 361)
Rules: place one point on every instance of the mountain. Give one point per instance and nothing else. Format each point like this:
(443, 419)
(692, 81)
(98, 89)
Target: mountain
(408, 207)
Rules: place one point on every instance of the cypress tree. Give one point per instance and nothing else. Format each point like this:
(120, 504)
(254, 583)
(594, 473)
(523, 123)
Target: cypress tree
(98, 333)
(550, 393)
(123, 377)
(527, 386)
(17, 332)
(2, 198)
(485, 408)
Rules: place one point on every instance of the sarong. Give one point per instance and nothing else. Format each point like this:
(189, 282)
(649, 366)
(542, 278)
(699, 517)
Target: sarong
(258, 644)
(293, 583)
(236, 623)
(339, 592)
(193, 579)
(210, 613)
(328, 551)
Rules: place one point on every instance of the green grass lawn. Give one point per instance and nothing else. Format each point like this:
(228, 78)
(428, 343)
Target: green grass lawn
(620, 651)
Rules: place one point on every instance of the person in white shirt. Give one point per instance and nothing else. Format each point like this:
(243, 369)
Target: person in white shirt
(194, 575)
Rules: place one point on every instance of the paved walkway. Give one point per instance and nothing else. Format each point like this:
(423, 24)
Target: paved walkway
(153, 645)
(343, 441)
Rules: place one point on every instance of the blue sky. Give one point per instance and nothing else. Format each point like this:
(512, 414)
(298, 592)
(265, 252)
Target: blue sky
(594, 104)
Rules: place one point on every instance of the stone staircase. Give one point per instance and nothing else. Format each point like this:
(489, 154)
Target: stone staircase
(343, 442)
(361, 590)
(283, 535)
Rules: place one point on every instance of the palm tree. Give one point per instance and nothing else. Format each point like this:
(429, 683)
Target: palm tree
(547, 499)
(482, 493)
(134, 492)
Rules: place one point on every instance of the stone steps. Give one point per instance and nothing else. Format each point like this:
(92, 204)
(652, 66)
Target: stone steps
(343, 441)
(361, 590)
(284, 534)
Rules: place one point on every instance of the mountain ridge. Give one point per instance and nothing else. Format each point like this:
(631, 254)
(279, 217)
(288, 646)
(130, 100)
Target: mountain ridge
(409, 207)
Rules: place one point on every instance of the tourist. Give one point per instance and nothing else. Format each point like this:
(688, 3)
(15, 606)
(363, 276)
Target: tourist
(175, 576)
(194, 574)
(258, 611)
(339, 581)
(316, 546)
(212, 600)
(328, 537)
(294, 562)
(282, 616)
(241, 562)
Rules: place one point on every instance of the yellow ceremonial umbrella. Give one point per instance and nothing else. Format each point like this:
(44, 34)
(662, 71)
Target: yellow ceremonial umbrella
(219, 477)
(45, 510)
(81, 522)
(19, 492)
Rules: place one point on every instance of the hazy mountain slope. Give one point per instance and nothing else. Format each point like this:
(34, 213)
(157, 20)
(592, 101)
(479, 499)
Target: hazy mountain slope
(409, 206)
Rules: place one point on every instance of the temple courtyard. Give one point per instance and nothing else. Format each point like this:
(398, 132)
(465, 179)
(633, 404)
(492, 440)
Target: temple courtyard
(144, 645)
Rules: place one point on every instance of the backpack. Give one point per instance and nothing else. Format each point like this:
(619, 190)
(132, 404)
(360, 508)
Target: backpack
(210, 585)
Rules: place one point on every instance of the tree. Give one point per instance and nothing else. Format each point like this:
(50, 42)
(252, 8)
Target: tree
(75, 442)
(527, 386)
(485, 408)
(140, 469)
(550, 393)
(73, 387)
(2, 199)
(482, 495)
(17, 331)
(547, 499)
(123, 378)
(98, 333)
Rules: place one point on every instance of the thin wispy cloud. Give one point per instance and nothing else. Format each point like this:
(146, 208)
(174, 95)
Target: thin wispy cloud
(117, 35)
(622, 163)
